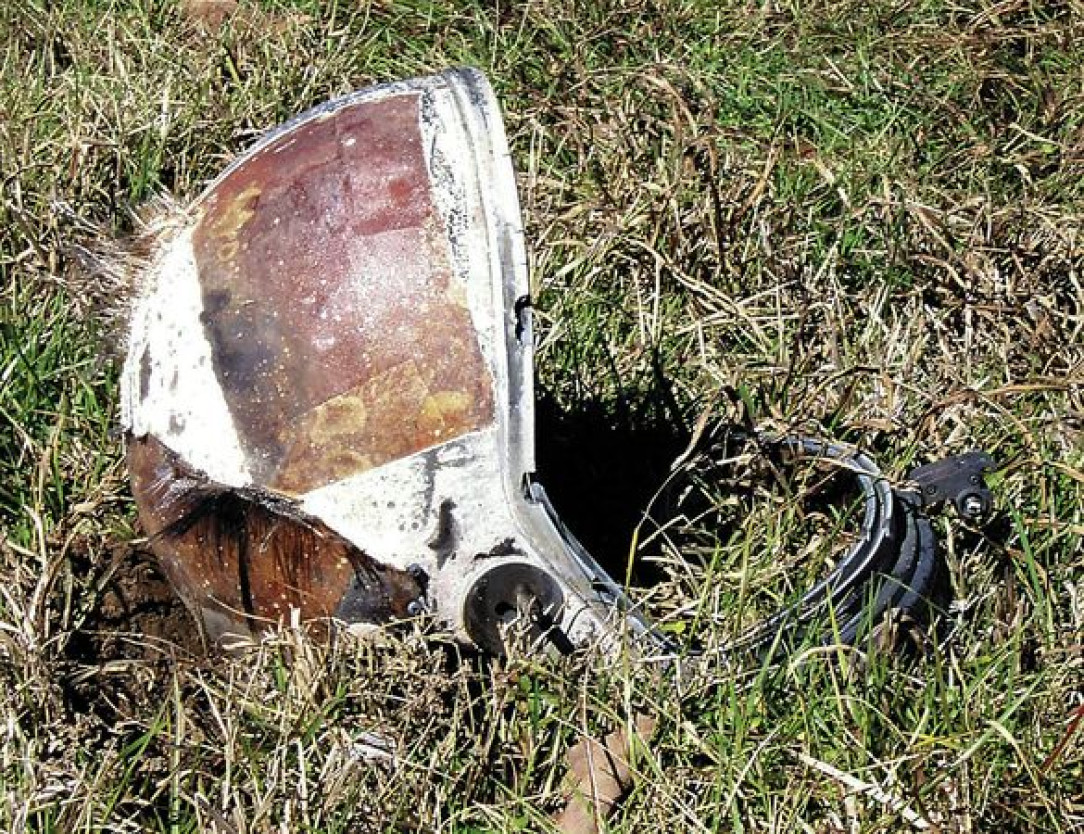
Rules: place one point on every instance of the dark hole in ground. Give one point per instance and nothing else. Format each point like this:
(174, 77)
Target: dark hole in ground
(136, 615)
(601, 463)
(135, 627)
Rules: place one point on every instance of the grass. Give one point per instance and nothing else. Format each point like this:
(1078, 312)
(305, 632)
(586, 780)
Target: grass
(862, 221)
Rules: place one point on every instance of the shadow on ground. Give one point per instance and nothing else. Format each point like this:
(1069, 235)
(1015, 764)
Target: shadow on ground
(601, 464)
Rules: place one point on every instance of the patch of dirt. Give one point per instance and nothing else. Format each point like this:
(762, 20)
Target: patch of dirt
(135, 615)
(129, 640)
(212, 16)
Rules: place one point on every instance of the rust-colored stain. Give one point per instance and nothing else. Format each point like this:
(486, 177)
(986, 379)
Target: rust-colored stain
(338, 331)
(248, 558)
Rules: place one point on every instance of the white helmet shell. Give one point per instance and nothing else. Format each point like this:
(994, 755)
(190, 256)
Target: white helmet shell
(328, 391)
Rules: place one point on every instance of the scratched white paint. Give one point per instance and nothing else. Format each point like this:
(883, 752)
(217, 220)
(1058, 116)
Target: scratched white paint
(393, 512)
(453, 169)
(169, 359)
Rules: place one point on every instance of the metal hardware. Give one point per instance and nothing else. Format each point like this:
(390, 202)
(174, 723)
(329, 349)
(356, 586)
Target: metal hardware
(958, 480)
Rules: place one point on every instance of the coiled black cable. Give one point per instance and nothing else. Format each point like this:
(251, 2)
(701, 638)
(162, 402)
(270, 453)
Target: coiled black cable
(894, 565)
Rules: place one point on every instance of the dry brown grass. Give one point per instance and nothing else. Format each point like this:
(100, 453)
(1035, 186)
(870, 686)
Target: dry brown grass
(858, 221)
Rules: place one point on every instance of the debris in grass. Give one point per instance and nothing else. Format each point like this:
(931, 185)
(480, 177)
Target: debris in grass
(870, 789)
(599, 775)
(210, 14)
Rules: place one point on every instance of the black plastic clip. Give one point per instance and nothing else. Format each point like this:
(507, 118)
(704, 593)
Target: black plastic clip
(958, 479)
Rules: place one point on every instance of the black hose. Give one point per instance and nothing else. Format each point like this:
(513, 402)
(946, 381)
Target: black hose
(894, 566)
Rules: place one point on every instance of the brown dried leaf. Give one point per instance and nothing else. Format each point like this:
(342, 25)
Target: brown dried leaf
(599, 773)
(210, 14)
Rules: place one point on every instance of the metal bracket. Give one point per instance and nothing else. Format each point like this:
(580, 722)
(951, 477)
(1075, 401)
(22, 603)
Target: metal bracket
(959, 480)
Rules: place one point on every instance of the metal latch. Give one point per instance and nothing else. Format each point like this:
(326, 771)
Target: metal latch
(958, 479)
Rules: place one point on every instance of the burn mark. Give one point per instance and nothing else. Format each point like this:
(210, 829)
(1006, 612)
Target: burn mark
(215, 301)
(522, 311)
(254, 555)
(446, 538)
(145, 373)
(506, 547)
(369, 599)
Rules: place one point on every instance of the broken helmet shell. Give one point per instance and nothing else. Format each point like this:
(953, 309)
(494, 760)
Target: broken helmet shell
(328, 390)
